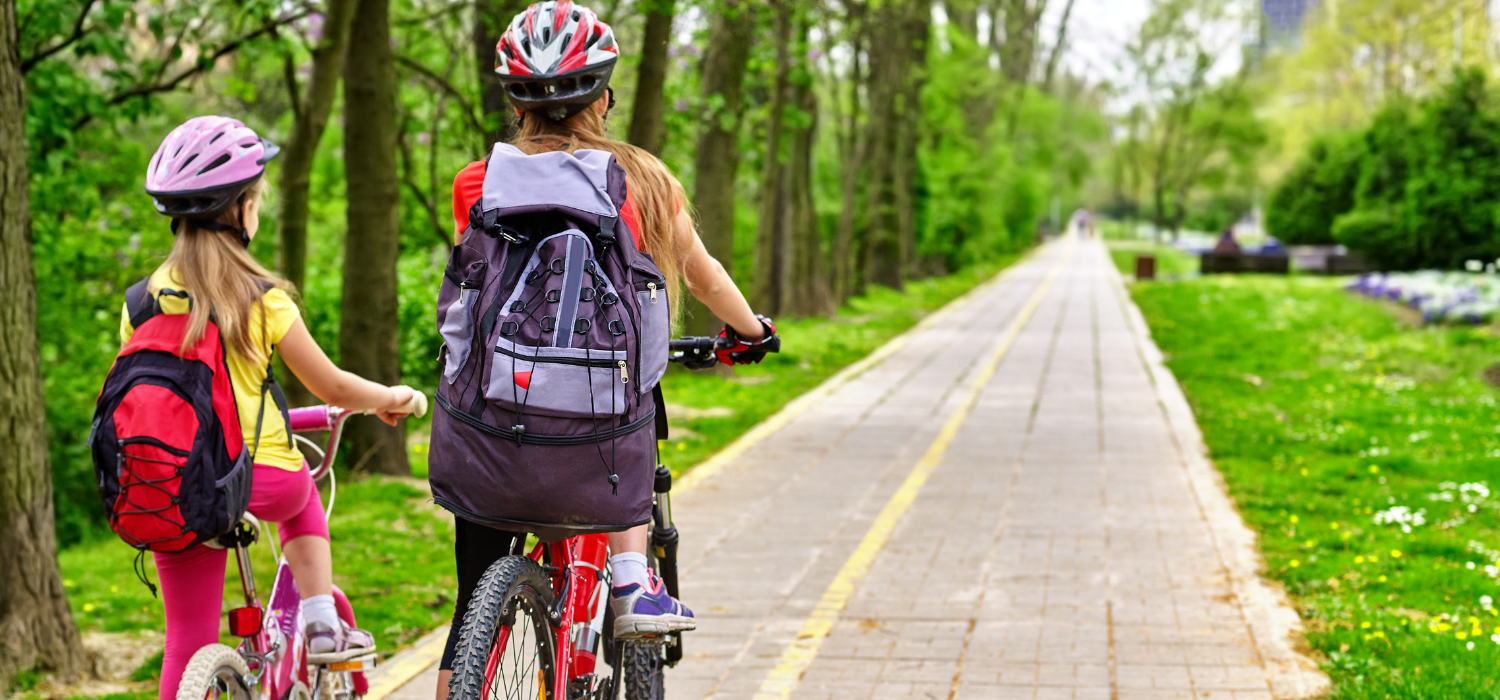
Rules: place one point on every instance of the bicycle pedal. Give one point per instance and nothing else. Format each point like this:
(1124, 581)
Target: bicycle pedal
(367, 662)
(654, 640)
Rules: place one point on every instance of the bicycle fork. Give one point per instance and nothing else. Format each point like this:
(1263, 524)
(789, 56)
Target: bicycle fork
(664, 539)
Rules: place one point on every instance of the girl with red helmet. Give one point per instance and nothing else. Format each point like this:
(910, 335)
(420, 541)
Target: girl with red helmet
(555, 61)
(206, 175)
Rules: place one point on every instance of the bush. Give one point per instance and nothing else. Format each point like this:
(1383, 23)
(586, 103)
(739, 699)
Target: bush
(1375, 233)
(1319, 188)
(1424, 176)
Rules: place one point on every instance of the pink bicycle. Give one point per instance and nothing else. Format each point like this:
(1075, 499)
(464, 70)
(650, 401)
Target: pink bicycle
(271, 661)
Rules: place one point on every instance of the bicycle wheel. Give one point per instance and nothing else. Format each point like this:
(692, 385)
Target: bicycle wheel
(506, 648)
(644, 679)
(215, 672)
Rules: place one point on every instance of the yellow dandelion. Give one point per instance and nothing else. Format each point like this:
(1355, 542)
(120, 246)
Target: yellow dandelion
(88, 607)
(1359, 560)
(1334, 526)
(1293, 519)
(1309, 543)
(1374, 558)
(1395, 554)
(1374, 469)
(1296, 563)
(1461, 636)
(1364, 625)
(1304, 471)
(1382, 579)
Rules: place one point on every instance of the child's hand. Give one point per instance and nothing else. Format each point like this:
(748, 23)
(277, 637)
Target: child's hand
(405, 401)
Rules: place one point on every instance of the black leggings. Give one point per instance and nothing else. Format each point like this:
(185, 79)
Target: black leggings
(475, 547)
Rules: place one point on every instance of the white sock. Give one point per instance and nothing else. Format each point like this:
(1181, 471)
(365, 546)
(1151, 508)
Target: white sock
(629, 568)
(320, 608)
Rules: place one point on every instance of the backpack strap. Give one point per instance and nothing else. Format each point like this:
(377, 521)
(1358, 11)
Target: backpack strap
(272, 387)
(140, 303)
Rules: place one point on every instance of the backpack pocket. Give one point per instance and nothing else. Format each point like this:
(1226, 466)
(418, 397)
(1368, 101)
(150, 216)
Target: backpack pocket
(570, 382)
(466, 269)
(656, 321)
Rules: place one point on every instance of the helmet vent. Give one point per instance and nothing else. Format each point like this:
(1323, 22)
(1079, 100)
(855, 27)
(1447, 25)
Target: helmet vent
(188, 162)
(216, 137)
(577, 15)
(222, 159)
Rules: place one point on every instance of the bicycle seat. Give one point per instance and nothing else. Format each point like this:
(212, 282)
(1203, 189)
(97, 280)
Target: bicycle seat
(243, 534)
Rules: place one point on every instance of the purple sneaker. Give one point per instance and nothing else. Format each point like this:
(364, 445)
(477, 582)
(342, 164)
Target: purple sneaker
(642, 612)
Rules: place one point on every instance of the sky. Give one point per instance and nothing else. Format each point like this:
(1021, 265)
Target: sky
(1097, 33)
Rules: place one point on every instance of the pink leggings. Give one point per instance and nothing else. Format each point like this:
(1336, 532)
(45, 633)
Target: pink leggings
(192, 582)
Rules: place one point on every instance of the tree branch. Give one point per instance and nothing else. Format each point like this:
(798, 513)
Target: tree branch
(78, 31)
(442, 83)
(416, 190)
(202, 65)
(293, 88)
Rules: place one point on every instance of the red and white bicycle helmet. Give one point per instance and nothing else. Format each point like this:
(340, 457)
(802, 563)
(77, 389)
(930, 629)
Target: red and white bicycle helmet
(203, 166)
(556, 58)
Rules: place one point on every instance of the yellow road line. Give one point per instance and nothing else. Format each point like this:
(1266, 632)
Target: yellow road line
(708, 467)
(782, 679)
(408, 664)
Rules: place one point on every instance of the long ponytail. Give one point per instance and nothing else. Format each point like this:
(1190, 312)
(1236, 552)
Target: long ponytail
(225, 281)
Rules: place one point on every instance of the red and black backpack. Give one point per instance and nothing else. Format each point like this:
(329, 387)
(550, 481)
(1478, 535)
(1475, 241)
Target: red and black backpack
(171, 462)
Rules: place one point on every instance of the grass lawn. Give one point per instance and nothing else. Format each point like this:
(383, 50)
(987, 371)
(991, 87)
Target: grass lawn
(1171, 263)
(1360, 448)
(393, 547)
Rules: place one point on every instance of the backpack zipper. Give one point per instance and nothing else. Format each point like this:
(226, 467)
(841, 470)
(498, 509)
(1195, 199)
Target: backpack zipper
(601, 363)
(147, 440)
(624, 375)
(652, 286)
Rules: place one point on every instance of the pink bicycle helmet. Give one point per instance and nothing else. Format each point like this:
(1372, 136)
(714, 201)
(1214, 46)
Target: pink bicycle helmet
(203, 166)
(556, 58)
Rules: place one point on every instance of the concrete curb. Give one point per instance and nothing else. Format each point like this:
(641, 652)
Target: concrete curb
(1268, 611)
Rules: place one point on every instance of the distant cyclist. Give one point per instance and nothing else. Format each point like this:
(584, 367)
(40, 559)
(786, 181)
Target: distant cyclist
(555, 60)
(207, 176)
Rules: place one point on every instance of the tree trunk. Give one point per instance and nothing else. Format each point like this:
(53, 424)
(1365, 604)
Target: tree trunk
(717, 155)
(917, 25)
(1057, 47)
(770, 234)
(36, 626)
(808, 281)
(847, 273)
(309, 121)
(883, 251)
(491, 17)
(369, 332)
(648, 125)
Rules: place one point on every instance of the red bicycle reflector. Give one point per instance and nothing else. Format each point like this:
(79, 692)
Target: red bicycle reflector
(244, 622)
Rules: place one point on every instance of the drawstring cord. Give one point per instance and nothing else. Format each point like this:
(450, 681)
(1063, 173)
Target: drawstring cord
(140, 571)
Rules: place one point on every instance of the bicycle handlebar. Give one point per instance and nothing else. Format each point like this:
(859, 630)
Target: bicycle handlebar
(695, 352)
(316, 419)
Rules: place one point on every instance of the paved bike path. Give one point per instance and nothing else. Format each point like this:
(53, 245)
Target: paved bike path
(1067, 540)
(1012, 503)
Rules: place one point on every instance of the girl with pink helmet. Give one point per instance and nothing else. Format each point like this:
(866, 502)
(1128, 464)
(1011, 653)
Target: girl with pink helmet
(207, 176)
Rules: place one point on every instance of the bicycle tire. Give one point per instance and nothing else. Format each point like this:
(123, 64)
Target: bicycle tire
(514, 587)
(644, 677)
(215, 671)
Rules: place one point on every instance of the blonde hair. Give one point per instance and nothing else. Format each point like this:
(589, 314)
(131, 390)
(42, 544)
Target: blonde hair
(656, 192)
(224, 280)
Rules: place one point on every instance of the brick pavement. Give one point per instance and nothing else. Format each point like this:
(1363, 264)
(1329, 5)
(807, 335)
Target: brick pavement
(1060, 550)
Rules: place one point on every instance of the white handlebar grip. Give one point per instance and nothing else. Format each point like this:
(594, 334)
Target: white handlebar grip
(417, 406)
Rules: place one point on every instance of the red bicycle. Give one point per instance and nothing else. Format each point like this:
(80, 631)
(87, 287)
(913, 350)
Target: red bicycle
(538, 619)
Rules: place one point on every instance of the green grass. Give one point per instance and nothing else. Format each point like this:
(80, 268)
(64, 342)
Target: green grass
(1171, 263)
(1323, 410)
(392, 547)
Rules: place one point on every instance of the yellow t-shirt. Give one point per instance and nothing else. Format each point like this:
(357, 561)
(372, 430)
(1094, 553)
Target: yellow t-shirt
(245, 376)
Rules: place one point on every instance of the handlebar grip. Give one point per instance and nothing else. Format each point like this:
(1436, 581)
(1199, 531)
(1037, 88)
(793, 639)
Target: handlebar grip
(416, 407)
(310, 419)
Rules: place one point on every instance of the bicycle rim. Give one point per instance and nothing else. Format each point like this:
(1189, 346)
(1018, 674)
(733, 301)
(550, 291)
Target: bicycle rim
(519, 666)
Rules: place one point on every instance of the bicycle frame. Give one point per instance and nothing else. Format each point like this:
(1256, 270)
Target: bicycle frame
(271, 638)
(576, 569)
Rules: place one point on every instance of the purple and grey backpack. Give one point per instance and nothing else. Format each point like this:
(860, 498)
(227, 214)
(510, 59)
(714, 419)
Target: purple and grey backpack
(555, 333)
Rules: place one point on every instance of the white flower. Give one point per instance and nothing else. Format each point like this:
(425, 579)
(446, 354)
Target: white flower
(1402, 516)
